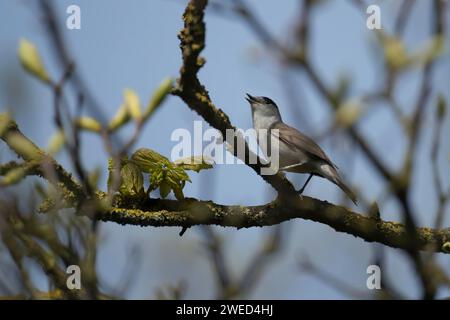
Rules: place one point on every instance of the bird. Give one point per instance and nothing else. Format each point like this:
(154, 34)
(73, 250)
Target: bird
(298, 153)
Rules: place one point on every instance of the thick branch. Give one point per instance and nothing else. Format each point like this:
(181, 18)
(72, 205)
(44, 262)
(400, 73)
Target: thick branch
(190, 212)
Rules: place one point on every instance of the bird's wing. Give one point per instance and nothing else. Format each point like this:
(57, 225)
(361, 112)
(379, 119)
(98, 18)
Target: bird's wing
(296, 140)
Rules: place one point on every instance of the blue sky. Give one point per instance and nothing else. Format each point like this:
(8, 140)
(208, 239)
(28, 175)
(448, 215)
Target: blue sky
(134, 44)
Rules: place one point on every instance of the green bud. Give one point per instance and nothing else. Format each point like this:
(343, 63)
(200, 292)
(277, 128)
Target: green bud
(31, 60)
(131, 101)
(159, 96)
(13, 176)
(395, 53)
(348, 113)
(121, 117)
(88, 124)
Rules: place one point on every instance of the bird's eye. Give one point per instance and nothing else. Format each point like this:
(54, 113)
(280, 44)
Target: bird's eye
(268, 101)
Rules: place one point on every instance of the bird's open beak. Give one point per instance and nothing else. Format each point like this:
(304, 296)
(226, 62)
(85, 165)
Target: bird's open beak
(249, 98)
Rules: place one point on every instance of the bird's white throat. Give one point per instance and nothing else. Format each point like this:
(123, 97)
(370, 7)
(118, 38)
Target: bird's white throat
(263, 119)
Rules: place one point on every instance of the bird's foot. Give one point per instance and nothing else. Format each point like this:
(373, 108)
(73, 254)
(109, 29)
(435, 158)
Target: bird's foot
(300, 192)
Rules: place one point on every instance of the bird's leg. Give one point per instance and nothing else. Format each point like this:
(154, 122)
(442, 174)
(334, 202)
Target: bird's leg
(306, 183)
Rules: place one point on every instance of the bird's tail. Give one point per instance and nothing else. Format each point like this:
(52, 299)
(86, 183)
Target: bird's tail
(332, 175)
(338, 181)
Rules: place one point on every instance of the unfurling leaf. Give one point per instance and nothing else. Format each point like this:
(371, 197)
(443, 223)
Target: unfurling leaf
(156, 178)
(132, 180)
(88, 124)
(31, 61)
(131, 101)
(158, 97)
(176, 178)
(164, 174)
(148, 160)
(348, 113)
(195, 163)
(179, 174)
(120, 118)
(172, 178)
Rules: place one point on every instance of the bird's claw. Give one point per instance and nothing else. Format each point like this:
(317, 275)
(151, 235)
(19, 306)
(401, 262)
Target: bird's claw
(300, 192)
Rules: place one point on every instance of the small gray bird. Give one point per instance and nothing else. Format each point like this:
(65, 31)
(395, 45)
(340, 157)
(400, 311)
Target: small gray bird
(297, 152)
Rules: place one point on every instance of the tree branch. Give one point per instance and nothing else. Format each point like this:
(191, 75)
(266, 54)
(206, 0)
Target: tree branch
(37, 160)
(190, 212)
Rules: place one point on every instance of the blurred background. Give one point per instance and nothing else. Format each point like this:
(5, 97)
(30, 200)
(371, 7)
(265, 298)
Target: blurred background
(134, 44)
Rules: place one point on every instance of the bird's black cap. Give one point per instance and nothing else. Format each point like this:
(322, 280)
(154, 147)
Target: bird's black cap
(251, 99)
